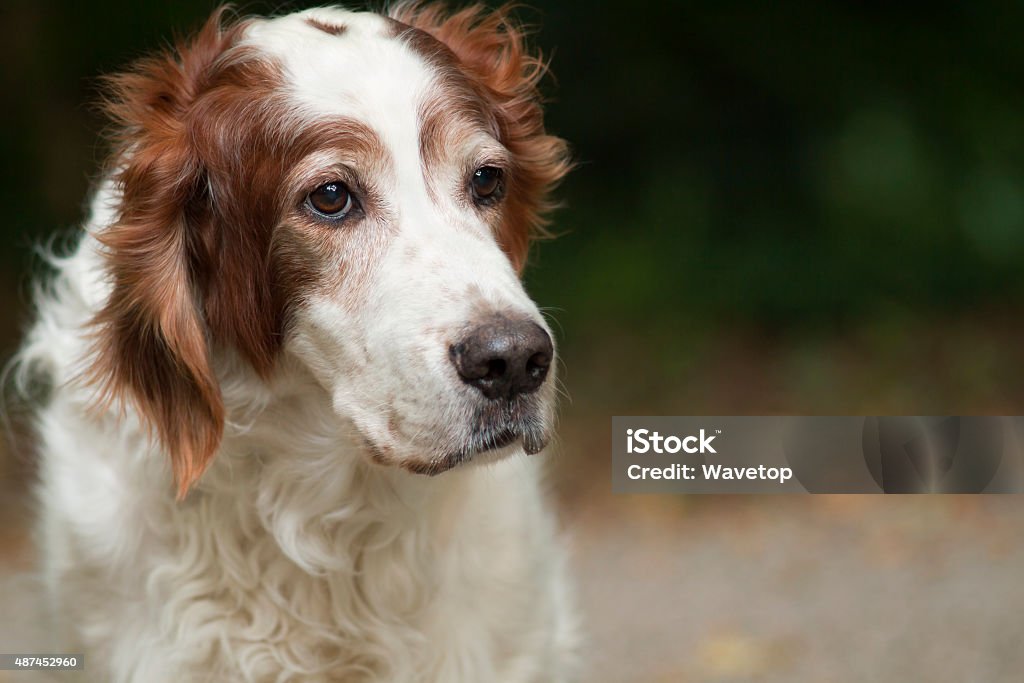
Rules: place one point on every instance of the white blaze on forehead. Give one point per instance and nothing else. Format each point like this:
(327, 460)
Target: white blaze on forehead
(364, 72)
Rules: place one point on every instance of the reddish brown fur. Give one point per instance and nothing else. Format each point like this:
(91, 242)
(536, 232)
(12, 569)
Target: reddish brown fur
(331, 29)
(490, 51)
(152, 342)
(306, 254)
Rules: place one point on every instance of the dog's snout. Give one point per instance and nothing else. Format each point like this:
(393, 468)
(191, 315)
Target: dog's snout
(503, 357)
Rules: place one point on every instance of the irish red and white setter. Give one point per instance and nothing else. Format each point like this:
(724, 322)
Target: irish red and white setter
(296, 298)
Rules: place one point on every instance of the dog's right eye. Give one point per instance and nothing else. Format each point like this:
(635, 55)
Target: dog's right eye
(331, 200)
(486, 183)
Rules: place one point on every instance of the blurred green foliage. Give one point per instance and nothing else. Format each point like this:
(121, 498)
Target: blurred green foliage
(783, 164)
(788, 162)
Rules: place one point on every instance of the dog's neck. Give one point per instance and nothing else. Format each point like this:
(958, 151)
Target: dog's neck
(304, 473)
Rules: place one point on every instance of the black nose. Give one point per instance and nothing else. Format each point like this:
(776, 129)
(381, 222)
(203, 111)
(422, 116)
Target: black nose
(503, 357)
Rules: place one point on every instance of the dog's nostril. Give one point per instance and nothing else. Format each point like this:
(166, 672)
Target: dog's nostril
(495, 368)
(538, 362)
(503, 357)
(537, 366)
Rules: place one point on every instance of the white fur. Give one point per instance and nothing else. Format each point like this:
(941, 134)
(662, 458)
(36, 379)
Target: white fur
(295, 558)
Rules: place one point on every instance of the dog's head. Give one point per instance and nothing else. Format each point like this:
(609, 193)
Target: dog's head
(354, 191)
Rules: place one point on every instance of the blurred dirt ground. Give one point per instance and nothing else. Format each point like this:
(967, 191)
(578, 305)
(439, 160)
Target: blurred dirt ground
(824, 588)
(760, 588)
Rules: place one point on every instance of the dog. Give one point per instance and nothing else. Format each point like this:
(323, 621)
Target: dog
(295, 378)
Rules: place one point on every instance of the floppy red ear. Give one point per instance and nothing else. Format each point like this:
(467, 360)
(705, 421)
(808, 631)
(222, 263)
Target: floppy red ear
(152, 345)
(492, 51)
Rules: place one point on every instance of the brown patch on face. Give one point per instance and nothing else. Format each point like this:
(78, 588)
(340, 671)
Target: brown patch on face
(483, 55)
(204, 149)
(330, 29)
(448, 120)
(306, 248)
(459, 110)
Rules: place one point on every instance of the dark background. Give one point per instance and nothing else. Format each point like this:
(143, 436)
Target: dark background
(786, 207)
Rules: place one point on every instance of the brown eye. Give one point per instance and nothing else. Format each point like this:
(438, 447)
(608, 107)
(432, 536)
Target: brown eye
(332, 200)
(487, 183)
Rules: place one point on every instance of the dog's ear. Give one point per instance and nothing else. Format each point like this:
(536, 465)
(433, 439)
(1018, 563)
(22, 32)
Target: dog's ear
(491, 49)
(151, 343)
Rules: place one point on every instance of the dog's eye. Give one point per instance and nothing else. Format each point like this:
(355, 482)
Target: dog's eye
(332, 200)
(487, 183)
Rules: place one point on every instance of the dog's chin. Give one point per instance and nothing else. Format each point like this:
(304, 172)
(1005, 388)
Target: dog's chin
(478, 448)
(489, 432)
(503, 446)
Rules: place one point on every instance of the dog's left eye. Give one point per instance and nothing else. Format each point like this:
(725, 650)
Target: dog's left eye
(487, 182)
(332, 200)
